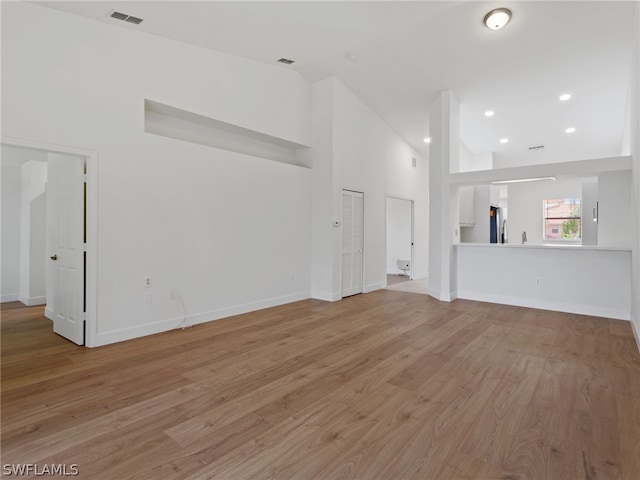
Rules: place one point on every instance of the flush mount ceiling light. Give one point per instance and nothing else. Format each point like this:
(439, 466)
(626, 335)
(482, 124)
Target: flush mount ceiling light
(504, 140)
(489, 113)
(564, 97)
(498, 18)
(570, 130)
(427, 140)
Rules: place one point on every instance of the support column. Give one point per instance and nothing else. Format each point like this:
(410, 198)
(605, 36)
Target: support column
(444, 153)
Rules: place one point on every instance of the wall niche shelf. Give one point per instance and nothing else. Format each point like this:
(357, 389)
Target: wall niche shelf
(172, 122)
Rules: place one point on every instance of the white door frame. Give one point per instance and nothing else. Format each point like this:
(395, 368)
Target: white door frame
(412, 203)
(91, 285)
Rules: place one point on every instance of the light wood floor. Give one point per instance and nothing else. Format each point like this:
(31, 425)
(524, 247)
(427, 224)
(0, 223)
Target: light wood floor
(388, 385)
(412, 286)
(396, 279)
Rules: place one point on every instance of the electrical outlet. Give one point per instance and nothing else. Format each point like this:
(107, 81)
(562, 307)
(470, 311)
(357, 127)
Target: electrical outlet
(538, 281)
(147, 282)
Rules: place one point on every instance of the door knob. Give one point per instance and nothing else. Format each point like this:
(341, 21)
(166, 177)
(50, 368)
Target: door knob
(54, 257)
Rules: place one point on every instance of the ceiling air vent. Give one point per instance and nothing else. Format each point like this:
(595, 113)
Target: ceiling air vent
(286, 61)
(536, 147)
(125, 18)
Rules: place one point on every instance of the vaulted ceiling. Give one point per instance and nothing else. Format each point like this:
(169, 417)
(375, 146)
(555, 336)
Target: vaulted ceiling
(396, 56)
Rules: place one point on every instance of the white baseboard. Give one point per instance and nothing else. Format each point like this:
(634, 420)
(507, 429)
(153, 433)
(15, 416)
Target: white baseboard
(33, 301)
(636, 334)
(9, 297)
(374, 286)
(419, 276)
(49, 313)
(443, 297)
(547, 305)
(326, 296)
(130, 333)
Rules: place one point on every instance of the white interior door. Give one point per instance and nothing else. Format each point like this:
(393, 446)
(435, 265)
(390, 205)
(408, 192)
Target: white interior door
(352, 242)
(65, 246)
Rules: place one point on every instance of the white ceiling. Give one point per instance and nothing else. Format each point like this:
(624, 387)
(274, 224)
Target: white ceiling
(407, 52)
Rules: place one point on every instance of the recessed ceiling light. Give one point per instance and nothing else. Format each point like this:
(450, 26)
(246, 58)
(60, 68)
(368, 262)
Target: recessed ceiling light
(564, 97)
(489, 113)
(427, 140)
(504, 140)
(498, 18)
(570, 130)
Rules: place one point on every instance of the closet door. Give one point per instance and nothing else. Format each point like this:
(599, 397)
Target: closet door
(352, 242)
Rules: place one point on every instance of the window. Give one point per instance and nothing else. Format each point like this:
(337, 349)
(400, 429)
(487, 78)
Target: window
(562, 219)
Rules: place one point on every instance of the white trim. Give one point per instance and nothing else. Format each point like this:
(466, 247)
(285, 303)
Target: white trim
(130, 333)
(443, 297)
(420, 276)
(636, 334)
(543, 246)
(326, 296)
(48, 312)
(547, 305)
(374, 286)
(91, 286)
(33, 301)
(412, 276)
(9, 297)
(399, 197)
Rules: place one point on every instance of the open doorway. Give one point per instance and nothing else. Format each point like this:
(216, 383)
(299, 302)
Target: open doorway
(48, 234)
(399, 239)
(24, 178)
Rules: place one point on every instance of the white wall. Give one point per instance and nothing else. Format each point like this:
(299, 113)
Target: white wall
(466, 158)
(32, 233)
(228, 231)
(614, 209)
(483, 161)
(583, 280)
(444, 201)
(634, 124)
(10, 229)
(372, 158)
(325, 240)
(470, 162)
(398, 233)
(480, 232)
(354, 149)
(525, 206)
